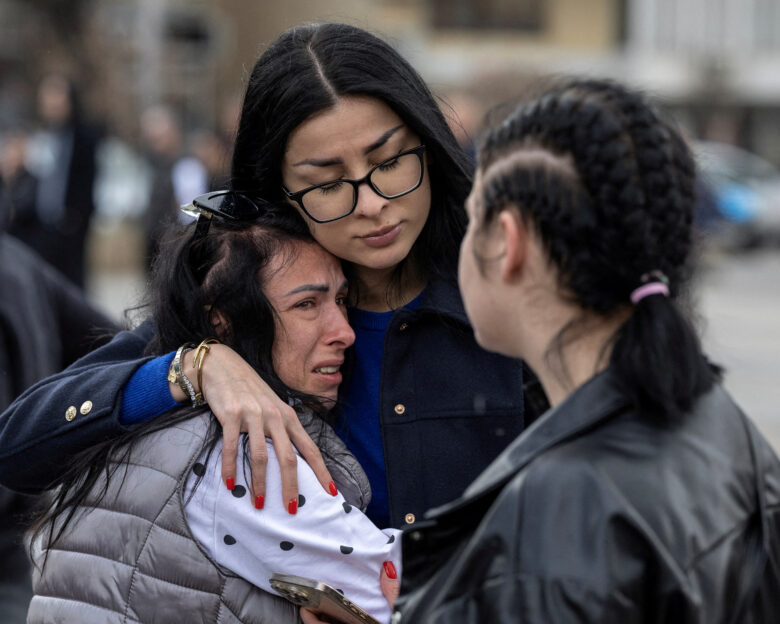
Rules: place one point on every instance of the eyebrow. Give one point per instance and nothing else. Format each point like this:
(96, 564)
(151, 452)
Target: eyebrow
(314, 162)
(314, 288)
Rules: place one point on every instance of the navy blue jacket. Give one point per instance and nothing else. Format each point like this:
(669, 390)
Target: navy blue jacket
(447, 407)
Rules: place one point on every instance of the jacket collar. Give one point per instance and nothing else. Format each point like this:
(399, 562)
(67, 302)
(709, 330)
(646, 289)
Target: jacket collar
(594, 402)
(442, 296)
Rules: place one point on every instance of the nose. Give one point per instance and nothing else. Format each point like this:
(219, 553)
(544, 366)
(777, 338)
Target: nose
(338, 331)
(369, 203)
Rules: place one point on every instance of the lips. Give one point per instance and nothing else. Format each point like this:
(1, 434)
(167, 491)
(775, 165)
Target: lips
(383, 236)
(380, 232)
(328, 368)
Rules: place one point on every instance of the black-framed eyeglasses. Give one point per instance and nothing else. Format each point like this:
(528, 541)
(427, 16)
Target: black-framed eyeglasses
(397, 176)
(230, 205)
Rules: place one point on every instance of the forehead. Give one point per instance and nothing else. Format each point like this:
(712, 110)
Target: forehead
(354, 122)
(299, 263)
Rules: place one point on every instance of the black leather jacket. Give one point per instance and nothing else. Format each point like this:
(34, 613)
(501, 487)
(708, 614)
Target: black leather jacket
(596, 515)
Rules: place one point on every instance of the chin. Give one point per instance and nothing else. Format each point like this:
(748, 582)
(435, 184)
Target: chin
(385, 258)
(492, 344)
(328, 400)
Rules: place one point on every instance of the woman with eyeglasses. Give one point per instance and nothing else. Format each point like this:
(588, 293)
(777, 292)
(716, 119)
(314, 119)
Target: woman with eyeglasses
(337, 124)
(142, 528)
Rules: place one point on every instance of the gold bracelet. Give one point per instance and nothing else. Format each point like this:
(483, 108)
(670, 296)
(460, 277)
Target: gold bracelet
(200, 354)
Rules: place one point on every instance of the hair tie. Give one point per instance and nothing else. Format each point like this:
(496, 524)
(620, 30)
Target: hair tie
(659, 286)
(655, 288)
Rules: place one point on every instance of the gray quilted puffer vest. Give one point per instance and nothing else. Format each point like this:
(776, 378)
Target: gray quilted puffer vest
(132, 559)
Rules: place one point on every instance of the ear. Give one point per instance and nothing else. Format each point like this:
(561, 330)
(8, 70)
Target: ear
(515, 236)
(219, 322)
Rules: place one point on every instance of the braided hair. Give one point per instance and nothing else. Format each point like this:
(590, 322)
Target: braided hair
(608, 185)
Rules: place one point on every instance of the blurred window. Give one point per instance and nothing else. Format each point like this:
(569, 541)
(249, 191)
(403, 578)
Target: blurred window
(503, 14)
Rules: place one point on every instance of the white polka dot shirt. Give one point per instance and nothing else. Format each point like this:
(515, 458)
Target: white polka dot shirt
(327, 540)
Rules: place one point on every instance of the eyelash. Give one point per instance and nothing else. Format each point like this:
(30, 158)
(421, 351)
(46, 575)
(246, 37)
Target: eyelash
(335, 185)
(389, 166)
(341, 300)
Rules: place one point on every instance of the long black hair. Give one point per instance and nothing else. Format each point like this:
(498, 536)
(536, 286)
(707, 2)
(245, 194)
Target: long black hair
(613, 203)
(227, 269)
(304, 72)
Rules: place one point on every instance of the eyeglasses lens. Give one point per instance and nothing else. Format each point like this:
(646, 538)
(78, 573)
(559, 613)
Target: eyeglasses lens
(391, 178)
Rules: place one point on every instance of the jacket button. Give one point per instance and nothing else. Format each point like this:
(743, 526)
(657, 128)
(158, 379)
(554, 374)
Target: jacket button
(70, 413)
(399, 409)
(409, 518)
(403, 326)
(86, 407)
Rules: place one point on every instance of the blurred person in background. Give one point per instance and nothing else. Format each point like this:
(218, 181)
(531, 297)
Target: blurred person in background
(176, 176)
(18, 188)
(63, 159)
(208, 147)
(45, 324)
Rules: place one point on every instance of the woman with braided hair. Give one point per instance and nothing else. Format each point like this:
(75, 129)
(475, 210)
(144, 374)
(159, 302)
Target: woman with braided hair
(644, 494)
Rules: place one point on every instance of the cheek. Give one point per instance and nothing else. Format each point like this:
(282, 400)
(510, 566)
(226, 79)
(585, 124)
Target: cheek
(332, 236)
(476, 300)
(285, 359)
(466, 262)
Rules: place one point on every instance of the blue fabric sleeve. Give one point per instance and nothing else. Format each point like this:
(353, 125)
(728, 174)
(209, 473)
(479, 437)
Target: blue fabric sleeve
(147, 395)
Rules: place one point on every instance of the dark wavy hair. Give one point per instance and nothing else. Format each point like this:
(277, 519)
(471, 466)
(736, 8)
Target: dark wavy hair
(304, 72)
(227, 269)
(608, 184)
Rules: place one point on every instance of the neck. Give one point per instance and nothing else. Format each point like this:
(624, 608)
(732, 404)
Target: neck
(565, 362)
(379, 293)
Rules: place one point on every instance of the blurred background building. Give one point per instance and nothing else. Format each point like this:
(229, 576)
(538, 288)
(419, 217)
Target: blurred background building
(163, 79)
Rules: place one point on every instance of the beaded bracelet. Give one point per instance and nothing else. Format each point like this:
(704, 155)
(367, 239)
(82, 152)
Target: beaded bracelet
(176, 374)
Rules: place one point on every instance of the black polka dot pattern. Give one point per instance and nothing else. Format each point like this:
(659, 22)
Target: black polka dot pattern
(346, 549)
(229, 540)
(347, 507)
(391, 540)
(301, 500)
(238, 491)
(286, 545)
(199, 469)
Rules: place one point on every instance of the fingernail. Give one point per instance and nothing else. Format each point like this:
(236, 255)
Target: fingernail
(292, 506)
(332, 488)
(390, 570)
(259, 501)
(230, 482)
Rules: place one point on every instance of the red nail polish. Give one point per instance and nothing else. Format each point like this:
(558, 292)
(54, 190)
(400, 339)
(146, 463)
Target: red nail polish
(259, 501)
(292, 506)
(230, 482)
(390, 570)
(332, 488)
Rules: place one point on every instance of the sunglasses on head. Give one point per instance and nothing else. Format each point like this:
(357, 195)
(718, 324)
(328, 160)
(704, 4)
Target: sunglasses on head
(230, 205)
